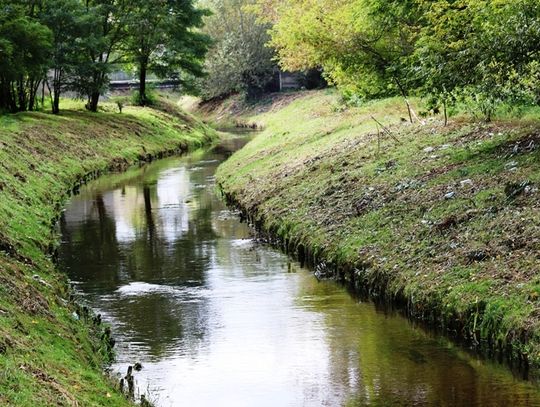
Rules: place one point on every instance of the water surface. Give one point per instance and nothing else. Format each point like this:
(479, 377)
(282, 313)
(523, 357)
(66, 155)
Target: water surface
(219, 320)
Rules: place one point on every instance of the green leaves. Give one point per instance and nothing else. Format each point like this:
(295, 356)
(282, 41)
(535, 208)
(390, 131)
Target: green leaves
(162, 37)
(480, 51)
(362, 45)
(448, 50)
(25, 46)
(239, 60)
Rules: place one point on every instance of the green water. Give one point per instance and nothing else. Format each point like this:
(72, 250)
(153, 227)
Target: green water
(217, 319)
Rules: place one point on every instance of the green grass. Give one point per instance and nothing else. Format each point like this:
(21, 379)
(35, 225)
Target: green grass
(317, 178)
(48, 358)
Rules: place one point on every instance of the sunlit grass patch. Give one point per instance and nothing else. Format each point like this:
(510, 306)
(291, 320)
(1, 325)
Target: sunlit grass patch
(447, 216)
(48, 357)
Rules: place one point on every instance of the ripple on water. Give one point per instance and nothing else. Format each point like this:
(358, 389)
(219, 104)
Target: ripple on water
(218, 320)
(135, 289)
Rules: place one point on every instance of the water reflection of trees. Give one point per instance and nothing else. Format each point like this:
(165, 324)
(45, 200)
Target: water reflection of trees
(163, 230)
(90, 247)
(380, 360)
(158, 231)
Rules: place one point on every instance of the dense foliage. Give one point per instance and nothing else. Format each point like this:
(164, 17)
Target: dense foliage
(24, 55)
(74, 44)
(161, 38)
(239, 60)
(482, 51)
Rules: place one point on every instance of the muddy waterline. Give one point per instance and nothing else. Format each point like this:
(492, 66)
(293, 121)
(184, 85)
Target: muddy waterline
(216, 319)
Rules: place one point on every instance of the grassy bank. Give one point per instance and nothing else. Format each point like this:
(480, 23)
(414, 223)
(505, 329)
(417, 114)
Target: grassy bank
(443, 220)
(50, 354)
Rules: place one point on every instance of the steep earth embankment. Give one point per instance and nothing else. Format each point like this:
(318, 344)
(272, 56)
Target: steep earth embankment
(442, 220)
(51, 352)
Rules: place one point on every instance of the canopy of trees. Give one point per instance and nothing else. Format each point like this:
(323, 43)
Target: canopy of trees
(239, 60)
(161, 38)
(486, 50)
(74, 44)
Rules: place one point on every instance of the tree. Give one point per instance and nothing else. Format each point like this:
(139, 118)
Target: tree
(482, 51)
(362, 45)
(24, 56)
(163, 39)
(69, 24)
(239, 60)
(101, 47)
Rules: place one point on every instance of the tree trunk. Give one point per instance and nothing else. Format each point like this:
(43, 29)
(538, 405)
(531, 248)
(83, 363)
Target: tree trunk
(93, 97)
(93, 101)
(43, 93)
(57, 88)
(5, 95)
(33, 85)
(405, 96)
(31, 94)
(56, 102)
(13, 97)
(22, 95)
(409, 109)
(142, 83)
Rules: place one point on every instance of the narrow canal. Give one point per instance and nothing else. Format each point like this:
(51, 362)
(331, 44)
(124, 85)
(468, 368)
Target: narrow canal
(216, 319)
